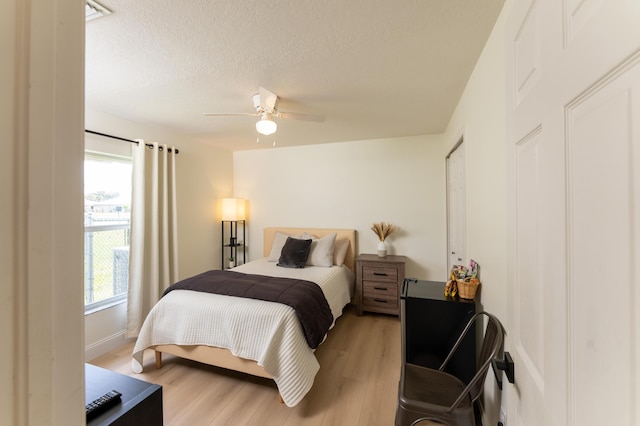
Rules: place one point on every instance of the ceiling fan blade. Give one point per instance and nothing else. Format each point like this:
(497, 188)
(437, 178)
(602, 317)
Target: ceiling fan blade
(300, 116)
(251, 114)
(268, 100)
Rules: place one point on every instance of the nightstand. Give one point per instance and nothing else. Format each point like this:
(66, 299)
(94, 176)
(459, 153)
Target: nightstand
(378, 281)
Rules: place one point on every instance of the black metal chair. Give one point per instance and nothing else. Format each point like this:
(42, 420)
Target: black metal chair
(430, 394)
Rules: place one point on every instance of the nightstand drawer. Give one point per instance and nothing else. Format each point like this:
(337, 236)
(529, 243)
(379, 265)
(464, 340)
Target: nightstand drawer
(380, 273)
(382, 289)
(380, 302)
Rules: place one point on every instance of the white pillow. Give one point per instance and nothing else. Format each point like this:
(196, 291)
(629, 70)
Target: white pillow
(276, 247)
(340, 249)
(321, 253)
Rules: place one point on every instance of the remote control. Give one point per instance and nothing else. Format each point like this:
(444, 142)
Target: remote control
(103, 403)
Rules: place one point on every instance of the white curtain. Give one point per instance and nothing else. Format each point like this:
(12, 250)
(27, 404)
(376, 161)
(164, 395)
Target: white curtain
(153, 255)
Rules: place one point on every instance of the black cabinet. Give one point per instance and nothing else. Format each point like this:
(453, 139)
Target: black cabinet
(233, 243)
(140, 405)
(431, 323)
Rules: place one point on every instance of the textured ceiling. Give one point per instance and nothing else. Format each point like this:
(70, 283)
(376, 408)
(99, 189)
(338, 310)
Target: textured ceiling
(375, 69)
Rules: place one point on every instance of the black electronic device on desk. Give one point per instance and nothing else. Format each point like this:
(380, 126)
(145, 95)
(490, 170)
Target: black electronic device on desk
(115, 399)
(431, 323)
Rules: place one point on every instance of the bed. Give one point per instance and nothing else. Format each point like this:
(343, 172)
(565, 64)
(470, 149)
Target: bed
(252, 336)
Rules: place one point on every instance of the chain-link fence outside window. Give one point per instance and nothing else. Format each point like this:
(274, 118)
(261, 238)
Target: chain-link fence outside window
(106, 262)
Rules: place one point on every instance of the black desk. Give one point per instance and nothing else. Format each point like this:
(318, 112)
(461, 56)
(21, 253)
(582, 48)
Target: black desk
(431, 324)
(141, 403)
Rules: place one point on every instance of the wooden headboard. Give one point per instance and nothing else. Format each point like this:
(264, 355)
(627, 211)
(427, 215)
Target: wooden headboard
(349, 234)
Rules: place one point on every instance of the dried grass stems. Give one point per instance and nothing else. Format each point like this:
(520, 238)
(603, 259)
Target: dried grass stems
(383, 230)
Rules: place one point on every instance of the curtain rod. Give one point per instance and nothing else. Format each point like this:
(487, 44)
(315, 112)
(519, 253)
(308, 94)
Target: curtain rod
(126, 140)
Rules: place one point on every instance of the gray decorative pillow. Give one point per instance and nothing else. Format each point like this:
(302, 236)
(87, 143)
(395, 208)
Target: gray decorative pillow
(294, 253)
(321, 252)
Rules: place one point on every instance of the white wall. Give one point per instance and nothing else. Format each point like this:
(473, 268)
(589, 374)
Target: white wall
(104, 330)
(352, 185)
(204, 174)
(480, 118)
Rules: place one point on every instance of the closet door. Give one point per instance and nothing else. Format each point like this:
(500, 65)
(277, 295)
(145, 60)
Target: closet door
(573, 117)
(456, 214)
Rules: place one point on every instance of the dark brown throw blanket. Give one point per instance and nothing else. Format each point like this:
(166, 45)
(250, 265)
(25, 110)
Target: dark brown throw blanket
(305, 297)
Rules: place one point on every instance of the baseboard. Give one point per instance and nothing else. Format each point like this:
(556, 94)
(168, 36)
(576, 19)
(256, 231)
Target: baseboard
(105, 345)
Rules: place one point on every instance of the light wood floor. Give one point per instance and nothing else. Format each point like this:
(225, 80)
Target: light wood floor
(357, 383)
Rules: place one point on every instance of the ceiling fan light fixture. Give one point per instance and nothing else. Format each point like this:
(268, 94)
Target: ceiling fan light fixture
(266, 126)
(94, 10)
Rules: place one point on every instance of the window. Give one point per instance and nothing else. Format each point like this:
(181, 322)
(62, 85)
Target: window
(107, 202)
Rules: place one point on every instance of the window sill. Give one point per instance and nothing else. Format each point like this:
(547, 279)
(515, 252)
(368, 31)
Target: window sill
(107, 305)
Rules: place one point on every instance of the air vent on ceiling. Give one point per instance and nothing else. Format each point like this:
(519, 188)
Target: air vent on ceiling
(94, 10)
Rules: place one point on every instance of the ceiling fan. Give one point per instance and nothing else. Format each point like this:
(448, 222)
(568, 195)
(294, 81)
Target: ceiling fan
(265, 103)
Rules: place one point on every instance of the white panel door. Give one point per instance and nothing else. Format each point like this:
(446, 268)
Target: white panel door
(573, 130)
(456, 214)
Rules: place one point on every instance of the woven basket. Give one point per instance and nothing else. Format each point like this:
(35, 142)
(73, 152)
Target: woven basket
(467, 289)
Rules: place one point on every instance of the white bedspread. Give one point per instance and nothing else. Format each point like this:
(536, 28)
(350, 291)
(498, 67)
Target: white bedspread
(266, 332)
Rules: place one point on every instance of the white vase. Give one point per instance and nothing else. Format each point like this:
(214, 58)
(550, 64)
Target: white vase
(231, 264)
(382, 249)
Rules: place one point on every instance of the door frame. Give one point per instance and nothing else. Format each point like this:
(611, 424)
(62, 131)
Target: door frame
(456, 146)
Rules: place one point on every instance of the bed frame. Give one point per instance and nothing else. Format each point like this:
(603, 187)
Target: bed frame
(221, 357)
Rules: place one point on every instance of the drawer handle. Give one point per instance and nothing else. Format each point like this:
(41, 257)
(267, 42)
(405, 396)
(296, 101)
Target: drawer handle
(380, 274)
(380, 288)
(380, 300)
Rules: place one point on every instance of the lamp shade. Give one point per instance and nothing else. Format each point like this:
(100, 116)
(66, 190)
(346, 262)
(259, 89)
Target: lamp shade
(233, 209)
(266, 127)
